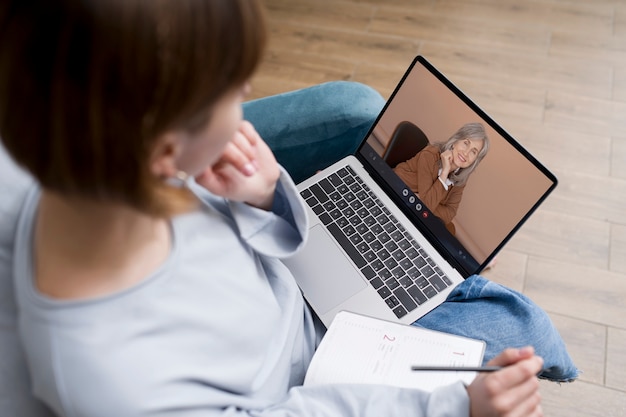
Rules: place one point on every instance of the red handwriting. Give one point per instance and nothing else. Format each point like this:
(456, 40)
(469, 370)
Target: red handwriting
(390, 338)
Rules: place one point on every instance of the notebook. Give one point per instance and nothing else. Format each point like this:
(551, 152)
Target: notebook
(374, 247)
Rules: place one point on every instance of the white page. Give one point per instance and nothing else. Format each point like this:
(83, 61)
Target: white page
(360, 349)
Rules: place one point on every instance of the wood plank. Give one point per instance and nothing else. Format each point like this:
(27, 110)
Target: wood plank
(509, 269)
(283, 70)
(618, 156)
(581, 399)
(509, 67)
(616, 359)
(322, 13)
(586, 343)
(572, 239)
(349, 46)
(585, 114)
(477, 30)
(618, 250)
(599, 198)
(577, 291)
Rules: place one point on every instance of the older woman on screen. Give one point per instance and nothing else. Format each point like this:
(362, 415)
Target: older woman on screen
(439, 173)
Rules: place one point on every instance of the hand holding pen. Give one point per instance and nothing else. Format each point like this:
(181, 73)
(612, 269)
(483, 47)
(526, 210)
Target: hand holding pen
(510, 391)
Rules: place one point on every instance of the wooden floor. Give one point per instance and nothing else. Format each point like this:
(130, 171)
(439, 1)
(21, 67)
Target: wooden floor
(553, 73)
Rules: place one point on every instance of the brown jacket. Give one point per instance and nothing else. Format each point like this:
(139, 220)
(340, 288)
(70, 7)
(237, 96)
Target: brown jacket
(420, 174)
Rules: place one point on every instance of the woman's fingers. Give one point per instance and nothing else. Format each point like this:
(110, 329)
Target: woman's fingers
(241, 151)
(512, 391)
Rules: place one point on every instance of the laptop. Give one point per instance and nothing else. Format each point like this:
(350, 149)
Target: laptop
(374, 247)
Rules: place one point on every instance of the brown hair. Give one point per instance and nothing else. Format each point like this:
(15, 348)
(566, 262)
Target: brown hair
(87, 86)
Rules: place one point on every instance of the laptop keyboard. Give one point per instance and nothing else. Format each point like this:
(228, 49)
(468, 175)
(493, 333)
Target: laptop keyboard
(388, 256)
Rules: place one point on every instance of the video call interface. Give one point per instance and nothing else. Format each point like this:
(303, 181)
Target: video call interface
(499, 194)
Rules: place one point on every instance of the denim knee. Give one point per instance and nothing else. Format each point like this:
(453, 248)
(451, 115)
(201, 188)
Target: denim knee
(481, 309)
(312, 128)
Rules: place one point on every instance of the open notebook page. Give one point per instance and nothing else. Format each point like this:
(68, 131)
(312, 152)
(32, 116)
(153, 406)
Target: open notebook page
(360, 349)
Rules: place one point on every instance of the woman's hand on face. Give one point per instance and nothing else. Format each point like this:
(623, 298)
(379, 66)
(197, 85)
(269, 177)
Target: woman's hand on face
(510, 392)
(446, 164)
(247, 170)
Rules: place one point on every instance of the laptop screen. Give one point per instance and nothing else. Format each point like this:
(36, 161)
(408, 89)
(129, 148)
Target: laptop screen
(426, 119)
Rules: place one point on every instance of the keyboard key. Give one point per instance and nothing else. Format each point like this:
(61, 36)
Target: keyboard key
(376, 245)
(392, 283)
(417, 295)
(430, 292)
(376, 211)
(391, 263)
(356, 238)
(368, 272)
(391, 246)
(399, 312)
(382, 254)
(436, 282)
(405, 299)
(319, 193)
(325, 218)
(398, 272)
(384, 274)
(334, 179)
(342, 222)
(404, 244)
(405, 281)
(392, 302)
(419, 262)
(390, 227)
(384, 292)
(421, 282)
(326, 186)
(362, 247)
(317, 209)
(346, 245)
(406, 264)
(398, 255)
(340, 203)
(349, 231)
(446, 279)
(370, 256)
(377, 282)
(377, 265)
(427, 271)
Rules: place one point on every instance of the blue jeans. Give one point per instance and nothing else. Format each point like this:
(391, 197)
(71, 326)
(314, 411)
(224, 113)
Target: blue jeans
(312, 128)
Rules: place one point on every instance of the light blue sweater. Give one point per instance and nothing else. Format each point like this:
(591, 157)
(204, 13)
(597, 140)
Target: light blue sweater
(220, 330)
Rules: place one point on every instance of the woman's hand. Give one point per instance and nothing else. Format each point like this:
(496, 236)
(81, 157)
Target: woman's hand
(446, 164)
(510, 392)
(247, 170)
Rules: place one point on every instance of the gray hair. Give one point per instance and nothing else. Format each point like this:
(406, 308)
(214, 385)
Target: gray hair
(474, 131)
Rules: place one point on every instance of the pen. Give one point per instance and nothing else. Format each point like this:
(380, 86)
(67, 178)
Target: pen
(457, 368)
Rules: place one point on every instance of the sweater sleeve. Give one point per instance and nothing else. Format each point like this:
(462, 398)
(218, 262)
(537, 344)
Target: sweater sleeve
(371, 400)
(347, 400)
(279, 232)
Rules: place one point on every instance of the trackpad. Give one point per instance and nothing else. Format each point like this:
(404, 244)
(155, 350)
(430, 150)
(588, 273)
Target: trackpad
(323, 272)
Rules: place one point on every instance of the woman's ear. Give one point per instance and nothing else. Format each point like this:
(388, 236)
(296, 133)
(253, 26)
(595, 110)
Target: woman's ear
(164, 155)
